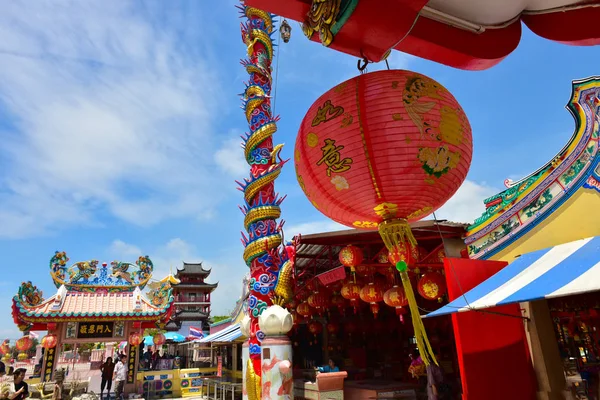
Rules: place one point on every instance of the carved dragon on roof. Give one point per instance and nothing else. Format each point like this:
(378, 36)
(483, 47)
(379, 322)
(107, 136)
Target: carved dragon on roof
(92, 276)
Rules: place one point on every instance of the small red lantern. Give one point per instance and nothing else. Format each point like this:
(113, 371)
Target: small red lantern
(432, 286)
(395, 297)
(365, 271)
(404, 252)
(5, 347)
(49, 341)
(304, 309)
(315, 327)
(372, 294)
(135, 338)
(320, 301)
(333, 328)
(24, 344)
(351, 291)
(351, 256)
(159, 339)
(338, 301)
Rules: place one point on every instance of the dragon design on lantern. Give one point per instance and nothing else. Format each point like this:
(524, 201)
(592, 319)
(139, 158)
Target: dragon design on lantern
(269, 261)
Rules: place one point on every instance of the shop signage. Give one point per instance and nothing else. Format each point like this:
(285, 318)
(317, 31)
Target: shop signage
(49, 363)
(131, 363)
(93, 330)
(334, 275)
(219, 366)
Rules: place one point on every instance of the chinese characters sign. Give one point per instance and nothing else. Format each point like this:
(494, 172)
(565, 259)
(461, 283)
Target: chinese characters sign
(48, 366)
(332, 158)
(131, 363)
(91, 330)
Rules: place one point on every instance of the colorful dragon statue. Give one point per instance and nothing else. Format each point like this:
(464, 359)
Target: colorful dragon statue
(29, 294)
(264, 253)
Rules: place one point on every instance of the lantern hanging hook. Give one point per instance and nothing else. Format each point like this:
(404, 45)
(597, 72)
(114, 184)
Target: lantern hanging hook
(362, 64)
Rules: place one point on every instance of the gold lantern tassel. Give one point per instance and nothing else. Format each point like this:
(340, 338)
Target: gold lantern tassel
(395, 232)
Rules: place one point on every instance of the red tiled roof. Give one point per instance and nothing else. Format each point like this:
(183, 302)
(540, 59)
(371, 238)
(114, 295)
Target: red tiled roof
(100, 305)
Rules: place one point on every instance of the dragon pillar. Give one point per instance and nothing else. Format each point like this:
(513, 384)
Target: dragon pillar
(265, 254)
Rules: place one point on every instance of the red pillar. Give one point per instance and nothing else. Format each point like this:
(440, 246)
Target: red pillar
(492, 349)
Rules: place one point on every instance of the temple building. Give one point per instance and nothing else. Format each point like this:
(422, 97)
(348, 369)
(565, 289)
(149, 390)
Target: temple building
(192, 299)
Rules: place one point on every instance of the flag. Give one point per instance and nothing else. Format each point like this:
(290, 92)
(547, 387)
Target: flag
(196, 333)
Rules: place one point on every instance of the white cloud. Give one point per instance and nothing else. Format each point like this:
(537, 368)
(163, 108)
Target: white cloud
(228, 270)
(110, 113)
(467, 202)
(230, 158)
(307, 228)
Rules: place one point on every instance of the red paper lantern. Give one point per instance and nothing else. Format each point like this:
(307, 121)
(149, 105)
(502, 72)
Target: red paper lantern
(351, 256)
(49, 341)
(351, 291)
(338, 301)
(315, 327)
(396, 297)
(365, 271)
(5, 347)
(24, 344)
(382, 145)
(319, 300)
(159, 339)
(304, 309)
(333, 327)
(432, 286)
(404, 252)
(372, 294)
(135, 338)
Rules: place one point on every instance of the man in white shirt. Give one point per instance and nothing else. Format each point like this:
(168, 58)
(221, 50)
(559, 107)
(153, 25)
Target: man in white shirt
(120, 375)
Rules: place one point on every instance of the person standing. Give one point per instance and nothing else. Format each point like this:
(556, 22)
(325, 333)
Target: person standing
(120, 374)
(19, 389)
(107, 369)
(435, 380)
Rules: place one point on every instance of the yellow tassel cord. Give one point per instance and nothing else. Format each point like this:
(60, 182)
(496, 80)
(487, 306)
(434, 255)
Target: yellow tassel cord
(253, 387)
(394, 233)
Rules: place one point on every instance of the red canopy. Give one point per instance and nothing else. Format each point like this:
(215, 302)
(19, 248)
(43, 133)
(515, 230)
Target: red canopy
(471, 34)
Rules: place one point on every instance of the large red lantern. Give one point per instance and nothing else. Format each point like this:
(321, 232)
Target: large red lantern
(396, 297)
(372, 293)
(304, 309)
(135, 338)
(159, 339)
(24, 344)
(381, 150)
(49, 341)
(387, 144)
(351, 291)
(351, 256)
(432, 286)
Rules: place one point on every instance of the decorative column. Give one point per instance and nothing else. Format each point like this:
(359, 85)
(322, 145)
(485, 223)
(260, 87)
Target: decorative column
(277, 375)
(264, 253)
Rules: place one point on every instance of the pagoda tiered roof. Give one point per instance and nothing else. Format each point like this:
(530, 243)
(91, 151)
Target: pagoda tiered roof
(193, 269)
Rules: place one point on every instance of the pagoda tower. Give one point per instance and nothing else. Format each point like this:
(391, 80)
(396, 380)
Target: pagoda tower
(192, 299)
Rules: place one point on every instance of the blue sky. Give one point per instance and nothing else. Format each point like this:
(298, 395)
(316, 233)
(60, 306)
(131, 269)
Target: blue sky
(120, 127)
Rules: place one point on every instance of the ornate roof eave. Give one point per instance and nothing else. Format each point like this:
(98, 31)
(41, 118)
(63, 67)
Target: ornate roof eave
(531, 200)
(25, 314)
(211, 286)
(194, 268)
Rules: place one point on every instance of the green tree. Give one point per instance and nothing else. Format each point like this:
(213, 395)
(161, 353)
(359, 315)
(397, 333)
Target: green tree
(218, 318)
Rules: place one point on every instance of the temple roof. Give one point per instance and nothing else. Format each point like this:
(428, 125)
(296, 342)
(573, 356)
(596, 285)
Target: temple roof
(79, 305)
(190, 315)
(198, 285)
(193, 269)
